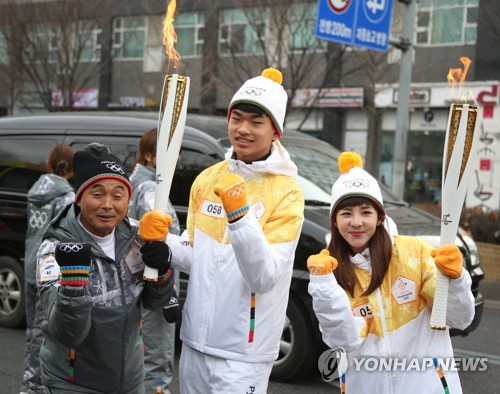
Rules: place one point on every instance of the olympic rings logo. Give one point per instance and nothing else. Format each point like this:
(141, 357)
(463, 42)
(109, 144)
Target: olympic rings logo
(115, 167)
(236, 192)
(70, 247)
(357, 183)
(38, 219)
(252, 92)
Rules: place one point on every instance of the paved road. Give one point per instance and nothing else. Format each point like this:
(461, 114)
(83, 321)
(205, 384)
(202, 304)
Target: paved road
(483, 342)
(11, 361)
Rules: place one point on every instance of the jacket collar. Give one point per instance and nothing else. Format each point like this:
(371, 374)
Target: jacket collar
(278, 163)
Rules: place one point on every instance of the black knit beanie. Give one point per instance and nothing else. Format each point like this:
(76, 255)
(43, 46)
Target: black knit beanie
(96, 162)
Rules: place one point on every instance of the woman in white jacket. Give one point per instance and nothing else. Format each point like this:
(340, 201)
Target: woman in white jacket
(373, 293)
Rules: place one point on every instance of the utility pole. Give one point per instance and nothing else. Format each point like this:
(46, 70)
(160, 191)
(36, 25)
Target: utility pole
(402, 115)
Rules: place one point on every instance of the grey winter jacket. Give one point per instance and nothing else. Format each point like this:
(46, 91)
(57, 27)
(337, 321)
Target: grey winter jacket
(46, 198)
(143, 195)
(92, 339)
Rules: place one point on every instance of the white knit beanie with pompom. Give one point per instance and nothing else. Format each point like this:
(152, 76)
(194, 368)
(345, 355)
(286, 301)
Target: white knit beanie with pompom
(355, 182)
(267, 93)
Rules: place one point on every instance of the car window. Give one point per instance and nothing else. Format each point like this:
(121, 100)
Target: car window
(22, 161)
(189, 165)
(319, 166)
(313, 194)
(125, 151)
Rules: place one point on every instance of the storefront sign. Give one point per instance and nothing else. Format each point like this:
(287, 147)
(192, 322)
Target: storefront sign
(417, 96)
(82, 98)
(485, 164)
(328, 98)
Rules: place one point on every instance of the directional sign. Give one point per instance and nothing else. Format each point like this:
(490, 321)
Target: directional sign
(364, 23)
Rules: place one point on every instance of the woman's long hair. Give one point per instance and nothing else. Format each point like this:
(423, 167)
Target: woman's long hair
(380, 250)
(60, 161)
(147, 145)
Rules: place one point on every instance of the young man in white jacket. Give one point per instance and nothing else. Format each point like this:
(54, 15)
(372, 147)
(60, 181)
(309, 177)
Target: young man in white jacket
(244, 221)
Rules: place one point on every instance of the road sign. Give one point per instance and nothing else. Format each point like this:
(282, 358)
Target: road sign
(364, 23)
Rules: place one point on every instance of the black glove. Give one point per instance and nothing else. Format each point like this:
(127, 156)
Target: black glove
(74, 261)
(171, 311)
(157, 255)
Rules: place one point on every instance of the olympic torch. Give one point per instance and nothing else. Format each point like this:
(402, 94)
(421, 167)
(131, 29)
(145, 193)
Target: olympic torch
(171, 124)
(457, 165)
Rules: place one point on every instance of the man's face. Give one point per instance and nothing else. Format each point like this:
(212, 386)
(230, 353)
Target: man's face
(251, 135)
(103, 205)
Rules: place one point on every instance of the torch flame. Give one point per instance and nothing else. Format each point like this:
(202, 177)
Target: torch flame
(458, 75)
(170, 37)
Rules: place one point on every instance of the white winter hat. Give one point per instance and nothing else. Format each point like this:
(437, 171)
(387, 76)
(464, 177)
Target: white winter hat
(267, 93)
(355, 182)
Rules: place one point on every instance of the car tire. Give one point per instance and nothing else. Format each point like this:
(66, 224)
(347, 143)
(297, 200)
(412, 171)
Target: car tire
(12, 298)
(297, 348)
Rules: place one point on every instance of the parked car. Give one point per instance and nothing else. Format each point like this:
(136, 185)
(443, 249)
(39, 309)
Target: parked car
(26, 141)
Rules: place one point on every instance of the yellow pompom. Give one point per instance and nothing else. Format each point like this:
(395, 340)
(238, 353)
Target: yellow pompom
(348, 160)
(273, 74)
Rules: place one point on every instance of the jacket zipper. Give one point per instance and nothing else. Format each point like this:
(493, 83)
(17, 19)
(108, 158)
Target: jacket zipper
(216, 260)
(386, 339)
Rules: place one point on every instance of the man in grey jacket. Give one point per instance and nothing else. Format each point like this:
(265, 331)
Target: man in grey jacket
(89, 273)
(158, 327)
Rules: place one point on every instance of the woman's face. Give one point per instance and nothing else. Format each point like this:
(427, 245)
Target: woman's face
(150, 159)
(357, 225)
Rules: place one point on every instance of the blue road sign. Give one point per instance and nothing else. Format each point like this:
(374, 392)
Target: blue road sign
(364, 23)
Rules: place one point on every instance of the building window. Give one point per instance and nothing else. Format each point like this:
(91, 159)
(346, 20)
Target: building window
(445, 22)
(302, 27)
(190, 29)
(243, 31)
(43, 44)
(129, 37)
(89, 37)
(4, 57)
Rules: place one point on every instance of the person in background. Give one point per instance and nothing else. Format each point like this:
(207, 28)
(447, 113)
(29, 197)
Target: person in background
(373, 293)
(244, 220)
(158, 327)
(46, 198)
(90, 277)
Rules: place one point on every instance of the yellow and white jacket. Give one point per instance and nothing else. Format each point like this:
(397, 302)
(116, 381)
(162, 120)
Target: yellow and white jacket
(240, 273)
(392, 323)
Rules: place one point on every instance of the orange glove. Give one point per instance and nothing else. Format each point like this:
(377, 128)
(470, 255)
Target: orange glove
(448, 260)
(154, 226)
(322, 263)
(232, 189)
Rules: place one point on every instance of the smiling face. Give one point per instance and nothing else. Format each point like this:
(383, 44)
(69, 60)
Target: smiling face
(251, 135)
(357, 224)
(103, 205)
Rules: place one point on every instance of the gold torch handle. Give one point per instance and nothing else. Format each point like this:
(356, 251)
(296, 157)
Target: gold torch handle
(171, 124)
(457, 164)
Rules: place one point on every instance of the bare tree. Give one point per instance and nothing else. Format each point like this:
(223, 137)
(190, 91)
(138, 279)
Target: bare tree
(282, 34)
(53, 48)
(279, 34)
(488, 34)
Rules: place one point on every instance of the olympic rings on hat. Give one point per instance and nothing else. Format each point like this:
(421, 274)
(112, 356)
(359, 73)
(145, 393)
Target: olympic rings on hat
(115, 167)
(357, 183)
(252, 91)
